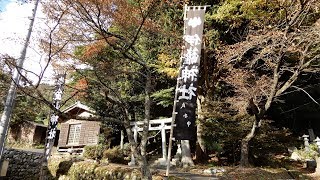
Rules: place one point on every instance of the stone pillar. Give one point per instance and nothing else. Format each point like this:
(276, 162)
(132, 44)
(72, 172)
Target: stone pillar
(135, 136)
(176, 160)
(121, 139)
(164, 143)
(135, 133)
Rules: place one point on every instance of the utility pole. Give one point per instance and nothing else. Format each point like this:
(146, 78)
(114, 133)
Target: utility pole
(5, 118)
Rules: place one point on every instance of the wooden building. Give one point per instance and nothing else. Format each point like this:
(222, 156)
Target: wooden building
(28, 132)
(76, 133)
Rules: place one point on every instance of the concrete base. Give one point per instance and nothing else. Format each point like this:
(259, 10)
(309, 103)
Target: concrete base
(176, 162)
(162, 161)
(132, 163)
(4, 168)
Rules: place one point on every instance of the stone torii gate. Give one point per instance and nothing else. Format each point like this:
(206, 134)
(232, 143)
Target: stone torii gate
(154, 125)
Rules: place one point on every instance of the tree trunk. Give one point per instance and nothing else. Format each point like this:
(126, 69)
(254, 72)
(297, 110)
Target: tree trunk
(244, 161)
(186, 154)
(132, 142)
(201, 154)
(145, 169)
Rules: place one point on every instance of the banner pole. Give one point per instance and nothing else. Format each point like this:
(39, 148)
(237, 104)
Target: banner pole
(171, 133)
(172, 125)
(175, 103)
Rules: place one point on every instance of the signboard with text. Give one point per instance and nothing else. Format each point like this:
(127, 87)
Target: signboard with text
(53, 122)
(188, 76)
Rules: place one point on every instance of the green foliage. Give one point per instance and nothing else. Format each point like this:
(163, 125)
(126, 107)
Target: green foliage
(82, 171)
(19, 144)
(92, 171)
(94, 151)
(222, 134)
(53, 166)
(25, 110)
(63, 168)
(23, 144)
(270, 144)
(126, 149)
(116, 81)
(213, 146)
(115, 155)
(164, 97)
(235, 12)
(310, 154)
(167, 65)
(106, 172)
(39, 146)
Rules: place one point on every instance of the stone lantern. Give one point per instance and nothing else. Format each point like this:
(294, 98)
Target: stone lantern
(317, 140)
(306, 141)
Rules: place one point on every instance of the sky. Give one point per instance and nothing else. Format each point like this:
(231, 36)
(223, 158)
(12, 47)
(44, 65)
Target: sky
(3, 4)
(14, 23)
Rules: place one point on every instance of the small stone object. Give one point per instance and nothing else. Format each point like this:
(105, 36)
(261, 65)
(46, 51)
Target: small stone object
(134, 177)
(127, 176)
(119, 175)
(295, 156)
(212, 171)
(292, 149)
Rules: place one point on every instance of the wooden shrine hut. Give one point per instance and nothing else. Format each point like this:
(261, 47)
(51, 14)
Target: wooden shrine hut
(76, 133)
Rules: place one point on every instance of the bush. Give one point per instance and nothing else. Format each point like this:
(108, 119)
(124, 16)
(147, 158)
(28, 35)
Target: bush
(94, 151)
(127, 149)
(312, 153)
(60, 166)
(115, 155)
(91, 171)
(63, 168)
(107, 172)
(82, 171)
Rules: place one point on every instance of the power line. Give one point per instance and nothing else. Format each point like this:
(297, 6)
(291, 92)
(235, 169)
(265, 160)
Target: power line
(299, 89)
(297, 107)
(307, 94)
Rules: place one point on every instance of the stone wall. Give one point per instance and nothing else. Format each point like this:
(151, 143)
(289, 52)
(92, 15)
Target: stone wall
(23, 164)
